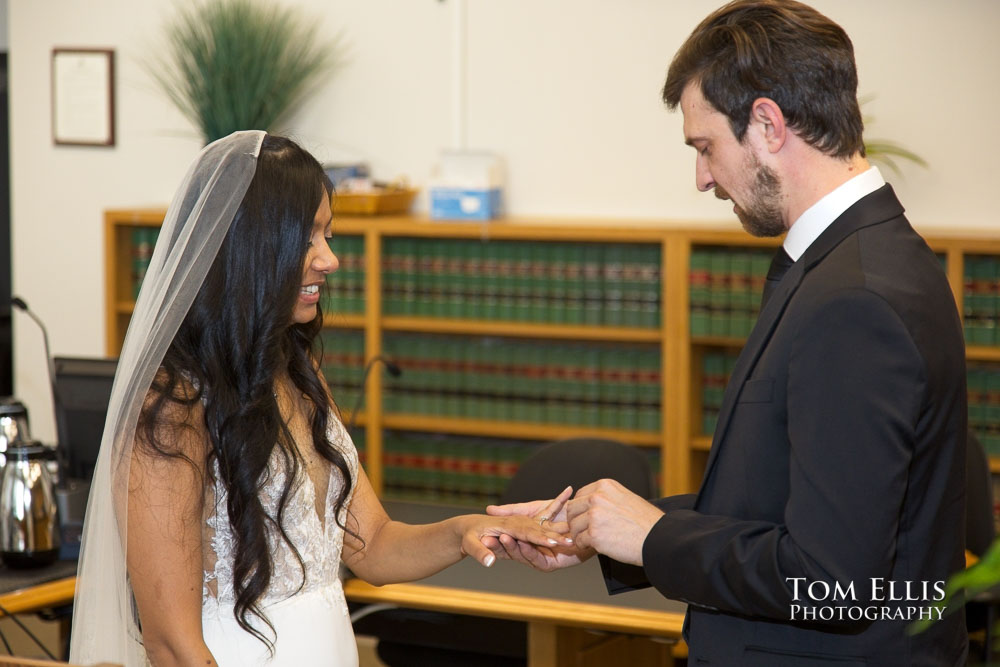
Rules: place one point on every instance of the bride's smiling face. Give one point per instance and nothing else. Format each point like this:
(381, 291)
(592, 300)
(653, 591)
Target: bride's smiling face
(320, 261)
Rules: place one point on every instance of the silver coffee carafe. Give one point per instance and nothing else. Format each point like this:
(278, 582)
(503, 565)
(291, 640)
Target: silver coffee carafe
(29, 522)
(13, 425)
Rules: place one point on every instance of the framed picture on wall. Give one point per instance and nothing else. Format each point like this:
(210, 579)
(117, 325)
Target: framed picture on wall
(83, 100)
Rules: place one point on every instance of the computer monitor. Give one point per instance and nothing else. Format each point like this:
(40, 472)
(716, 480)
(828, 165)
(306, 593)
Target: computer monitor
(83, 391)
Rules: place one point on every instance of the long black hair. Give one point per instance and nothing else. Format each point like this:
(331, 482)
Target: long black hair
(235, 341)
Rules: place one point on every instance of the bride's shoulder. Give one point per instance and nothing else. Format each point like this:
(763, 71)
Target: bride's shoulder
(172, 420)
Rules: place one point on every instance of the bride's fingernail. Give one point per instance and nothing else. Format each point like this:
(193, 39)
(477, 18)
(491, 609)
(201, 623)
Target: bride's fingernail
(489, 560)
(551, 541)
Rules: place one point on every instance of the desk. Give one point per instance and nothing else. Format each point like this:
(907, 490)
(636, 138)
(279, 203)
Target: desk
(549, 603)
(40, 588)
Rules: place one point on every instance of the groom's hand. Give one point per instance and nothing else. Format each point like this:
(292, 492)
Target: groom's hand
(610, 519)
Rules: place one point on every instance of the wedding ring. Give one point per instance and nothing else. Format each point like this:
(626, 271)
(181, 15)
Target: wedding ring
(542, 519)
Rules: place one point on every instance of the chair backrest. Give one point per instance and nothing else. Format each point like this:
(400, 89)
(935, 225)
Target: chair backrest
(578, 462)
(980, 527)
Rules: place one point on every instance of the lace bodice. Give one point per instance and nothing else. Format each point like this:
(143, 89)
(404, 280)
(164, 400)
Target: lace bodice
(319, 542)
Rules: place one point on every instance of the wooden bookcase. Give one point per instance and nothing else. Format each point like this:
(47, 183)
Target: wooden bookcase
(681, 440)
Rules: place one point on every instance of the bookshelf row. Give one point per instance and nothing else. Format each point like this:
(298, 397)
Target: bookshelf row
(602, 385)
(981, 299)
(984, 404)
(458, 470)
(725, 286)
(615, 284)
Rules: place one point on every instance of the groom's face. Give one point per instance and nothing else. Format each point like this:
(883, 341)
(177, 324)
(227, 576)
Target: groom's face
(731, 167)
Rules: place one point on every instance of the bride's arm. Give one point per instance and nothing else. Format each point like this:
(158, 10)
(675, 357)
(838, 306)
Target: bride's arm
(165, 500)
(392, 551)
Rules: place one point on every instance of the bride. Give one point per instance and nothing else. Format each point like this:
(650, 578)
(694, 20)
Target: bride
(228, 491)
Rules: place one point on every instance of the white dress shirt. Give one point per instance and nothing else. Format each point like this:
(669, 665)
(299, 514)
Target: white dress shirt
(818, 217)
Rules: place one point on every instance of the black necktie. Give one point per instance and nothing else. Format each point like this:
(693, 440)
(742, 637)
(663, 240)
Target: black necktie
(780, 263)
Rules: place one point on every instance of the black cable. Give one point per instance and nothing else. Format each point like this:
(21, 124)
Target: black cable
(394, 371)
(26, 631)
(3, 638)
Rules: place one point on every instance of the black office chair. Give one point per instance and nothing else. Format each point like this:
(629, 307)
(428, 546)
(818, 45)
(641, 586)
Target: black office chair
(577, 462)
(417, 637)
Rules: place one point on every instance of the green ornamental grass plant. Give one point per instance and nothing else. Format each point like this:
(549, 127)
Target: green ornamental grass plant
(239, 64)
(883, 152)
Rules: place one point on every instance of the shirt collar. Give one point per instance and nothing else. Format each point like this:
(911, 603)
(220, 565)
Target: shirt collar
(820, 215)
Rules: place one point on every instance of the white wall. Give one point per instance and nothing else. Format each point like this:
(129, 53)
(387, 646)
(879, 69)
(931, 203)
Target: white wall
(566, 90)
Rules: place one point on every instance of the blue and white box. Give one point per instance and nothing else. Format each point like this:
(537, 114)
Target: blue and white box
(467, 185)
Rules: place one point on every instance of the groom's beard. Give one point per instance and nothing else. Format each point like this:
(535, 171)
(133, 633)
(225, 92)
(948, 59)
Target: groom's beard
(761, 215)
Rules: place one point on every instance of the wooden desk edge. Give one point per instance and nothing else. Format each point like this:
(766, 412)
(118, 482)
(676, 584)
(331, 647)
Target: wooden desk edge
(436, 598)
(33, 598)
(520, 607)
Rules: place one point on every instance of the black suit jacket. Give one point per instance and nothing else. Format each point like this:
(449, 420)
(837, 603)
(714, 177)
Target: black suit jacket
(838, 460)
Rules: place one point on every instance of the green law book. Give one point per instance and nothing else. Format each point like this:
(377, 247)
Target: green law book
(489, 282)
(392, 276)
(614, 294)
(358, 437)
(506, 283)
(538, 286)
(740, 294)
(449, 485)
(592, 381)
(632, 294)
(473, 279)
(628, 416)
(553, 280)
(969, 298)
(718, 278)
(650, 286)
(454, 286)
(409, 295)
(992, 397)
(438, 281)
(141, 252)
(593, 282)
(491, 484)
(359, 273)
(700, 291)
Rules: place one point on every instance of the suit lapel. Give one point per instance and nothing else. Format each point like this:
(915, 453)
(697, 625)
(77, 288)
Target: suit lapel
(879, 206)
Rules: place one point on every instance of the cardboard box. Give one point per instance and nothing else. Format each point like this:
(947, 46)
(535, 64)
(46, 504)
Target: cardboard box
(467, 185)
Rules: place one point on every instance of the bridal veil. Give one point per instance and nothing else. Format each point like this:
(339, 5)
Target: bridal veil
(105, 624)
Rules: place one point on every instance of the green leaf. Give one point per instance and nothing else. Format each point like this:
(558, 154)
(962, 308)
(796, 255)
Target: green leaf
(966, 584)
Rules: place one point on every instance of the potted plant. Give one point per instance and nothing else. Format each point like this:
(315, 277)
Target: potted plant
(884, 152)
(239, 64)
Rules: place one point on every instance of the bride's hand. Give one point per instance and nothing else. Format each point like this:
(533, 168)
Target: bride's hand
(475, 529)
(540, 557)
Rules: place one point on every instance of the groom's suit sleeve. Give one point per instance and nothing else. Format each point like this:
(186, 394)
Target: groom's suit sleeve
(620, 577)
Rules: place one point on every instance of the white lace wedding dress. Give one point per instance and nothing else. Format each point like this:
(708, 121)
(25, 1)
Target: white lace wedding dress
(310, 617)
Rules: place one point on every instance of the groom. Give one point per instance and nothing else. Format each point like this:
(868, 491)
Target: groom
(831, 510)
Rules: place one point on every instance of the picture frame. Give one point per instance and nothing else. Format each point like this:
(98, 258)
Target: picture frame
(83, 99)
